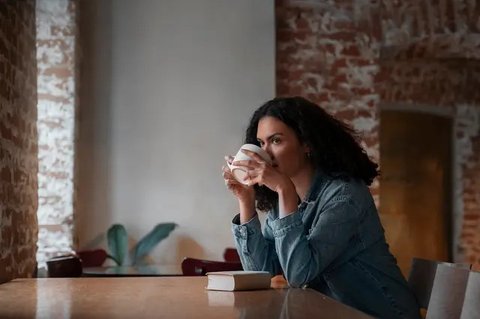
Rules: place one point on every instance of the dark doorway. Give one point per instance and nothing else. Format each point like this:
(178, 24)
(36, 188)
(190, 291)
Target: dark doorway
(415, 185)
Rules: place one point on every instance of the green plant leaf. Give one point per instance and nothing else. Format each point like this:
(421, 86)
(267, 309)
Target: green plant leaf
(150, 240)
(114, 259)
(117, 242)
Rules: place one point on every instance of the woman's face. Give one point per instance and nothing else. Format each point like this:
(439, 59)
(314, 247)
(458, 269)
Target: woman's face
(289, 155)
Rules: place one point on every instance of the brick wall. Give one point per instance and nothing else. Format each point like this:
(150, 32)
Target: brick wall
(434, 29)
(56, 38)
(352, 57)
(469, 244)
(430, 55)
(329, 54)
(18, 139)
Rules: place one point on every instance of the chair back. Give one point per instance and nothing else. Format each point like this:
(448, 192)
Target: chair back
(92, 258)
(231, 254)
(421, 277)
(448, 292)
(471, 309)
(199, 267)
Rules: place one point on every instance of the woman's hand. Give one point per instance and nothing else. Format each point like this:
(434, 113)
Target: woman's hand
(261, 173)
(243, 192)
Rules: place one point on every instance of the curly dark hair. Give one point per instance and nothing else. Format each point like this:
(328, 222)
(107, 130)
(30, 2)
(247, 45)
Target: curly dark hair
(333, 145)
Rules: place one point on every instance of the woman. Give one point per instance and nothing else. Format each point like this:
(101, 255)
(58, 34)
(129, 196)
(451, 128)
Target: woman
(322, 229)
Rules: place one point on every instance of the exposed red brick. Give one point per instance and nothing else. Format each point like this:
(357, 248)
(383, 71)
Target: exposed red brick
(421, 63)
(351, 50)
(18, 165)
(340, 62)
(362, 90)
(343, 36)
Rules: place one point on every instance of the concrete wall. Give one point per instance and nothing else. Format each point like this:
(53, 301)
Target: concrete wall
(167, 89)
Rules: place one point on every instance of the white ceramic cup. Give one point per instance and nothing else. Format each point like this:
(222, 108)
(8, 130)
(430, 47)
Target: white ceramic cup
(240, 172)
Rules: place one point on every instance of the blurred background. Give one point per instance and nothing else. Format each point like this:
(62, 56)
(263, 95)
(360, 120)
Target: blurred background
(116, 111)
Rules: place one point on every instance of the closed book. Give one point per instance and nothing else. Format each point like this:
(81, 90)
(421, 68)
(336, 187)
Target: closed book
(238, 280)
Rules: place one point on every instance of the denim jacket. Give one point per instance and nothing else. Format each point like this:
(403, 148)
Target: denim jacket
(333, 243)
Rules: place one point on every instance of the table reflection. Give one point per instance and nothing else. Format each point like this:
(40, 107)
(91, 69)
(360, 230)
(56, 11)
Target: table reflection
(133, 271)
(53, 303)
(154, 297)
(281, 303)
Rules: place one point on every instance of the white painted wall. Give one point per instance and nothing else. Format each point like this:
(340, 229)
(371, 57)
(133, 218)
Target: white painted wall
(167, 90)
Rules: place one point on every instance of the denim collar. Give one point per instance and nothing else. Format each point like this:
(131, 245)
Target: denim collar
(319, 179)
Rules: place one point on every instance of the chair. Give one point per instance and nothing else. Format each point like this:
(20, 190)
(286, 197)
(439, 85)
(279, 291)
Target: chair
(421, 277)
(64, 266)
(470, 309)
(231, 254)
(92, 258)
(448, 292)
(199, 267)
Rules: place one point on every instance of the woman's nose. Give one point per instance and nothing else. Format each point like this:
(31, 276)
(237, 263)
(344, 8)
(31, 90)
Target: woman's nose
(266, 148)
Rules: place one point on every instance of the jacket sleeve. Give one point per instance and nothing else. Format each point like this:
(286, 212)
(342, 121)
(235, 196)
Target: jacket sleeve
(305, 253)
(256, 249)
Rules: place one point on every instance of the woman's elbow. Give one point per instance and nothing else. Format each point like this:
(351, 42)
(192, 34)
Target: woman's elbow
(296, 280)
(299, 277)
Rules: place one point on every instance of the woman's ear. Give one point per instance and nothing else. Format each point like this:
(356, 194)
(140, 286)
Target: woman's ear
(308, 151)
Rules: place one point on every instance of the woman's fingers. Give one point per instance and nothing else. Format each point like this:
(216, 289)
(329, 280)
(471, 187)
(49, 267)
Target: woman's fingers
(226, 170)
(257, 158)
(253, 176)
(254, 163)
(230, 180)
(254, 168)
(229, 159)
(230, 183)
(249, 164)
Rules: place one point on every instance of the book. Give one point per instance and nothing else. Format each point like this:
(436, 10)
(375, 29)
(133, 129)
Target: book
(238, 280)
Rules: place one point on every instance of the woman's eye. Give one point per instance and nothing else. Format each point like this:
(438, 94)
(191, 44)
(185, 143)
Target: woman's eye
(276, 141)
(261, 143)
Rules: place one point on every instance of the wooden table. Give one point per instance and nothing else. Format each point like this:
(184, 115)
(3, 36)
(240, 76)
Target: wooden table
(159, 297)
(133, 271)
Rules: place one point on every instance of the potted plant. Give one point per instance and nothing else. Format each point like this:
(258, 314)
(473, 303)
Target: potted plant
(117, 240)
